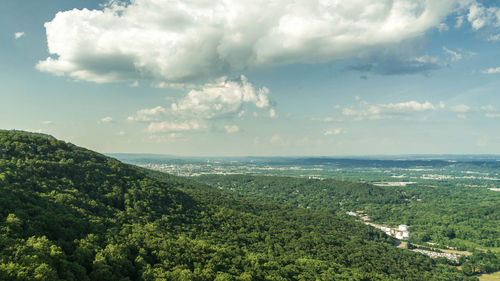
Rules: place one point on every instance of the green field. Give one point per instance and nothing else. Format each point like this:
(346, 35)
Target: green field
(490, 277)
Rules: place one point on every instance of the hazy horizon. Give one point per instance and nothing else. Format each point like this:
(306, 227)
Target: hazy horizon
(359, 157)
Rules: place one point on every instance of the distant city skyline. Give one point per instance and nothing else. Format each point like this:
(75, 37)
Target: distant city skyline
(255, 78)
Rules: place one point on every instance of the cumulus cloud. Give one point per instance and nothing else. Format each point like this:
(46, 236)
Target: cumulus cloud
(480, 16)
(272, 113)
(462, 108)
(493, 70)
(476, 16)
(230, 129)
(220, 99)
(182, 41)
(492, 115)
(146, 115)
(390, 110)
(333, 132)
(463, 111)
(107, 119)
(18, 35)
(169, 127)
(223, 99)
(402, 107)
(489, 108)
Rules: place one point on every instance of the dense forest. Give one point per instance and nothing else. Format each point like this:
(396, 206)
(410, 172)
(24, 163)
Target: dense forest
(68, 213)
(465, 218)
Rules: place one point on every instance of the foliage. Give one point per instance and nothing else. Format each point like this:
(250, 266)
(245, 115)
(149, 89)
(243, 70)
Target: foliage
(68, 213)
(462, 217)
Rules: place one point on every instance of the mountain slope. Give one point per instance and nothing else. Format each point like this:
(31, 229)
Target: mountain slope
(328, 195)
(68, 213)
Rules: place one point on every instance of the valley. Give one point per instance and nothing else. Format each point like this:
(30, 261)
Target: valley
(450, 204)
(69, 213)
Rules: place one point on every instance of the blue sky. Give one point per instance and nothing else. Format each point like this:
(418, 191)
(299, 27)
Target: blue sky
(238, 78)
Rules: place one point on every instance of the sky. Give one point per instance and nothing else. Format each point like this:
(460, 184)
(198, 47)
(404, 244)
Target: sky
(255, 78)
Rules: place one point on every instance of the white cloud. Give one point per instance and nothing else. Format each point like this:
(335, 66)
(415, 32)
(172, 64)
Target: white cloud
(220, 99)
(463, 111)
(454, 56)
(359, 114)
(167, 126)
(48, 122)
(462, 108)
(410, 106)
(494, 70)
(182, 41)
(272, 113)
(480, 16)
(329, 119)
(122, 133)
(487, 108)
(107, 119)
(230, 129)
(199, 107)
(476, 16)
(492, 115)
(390, 110)
(146, 115)
(494, 37)
(18, 35)
(333, 132)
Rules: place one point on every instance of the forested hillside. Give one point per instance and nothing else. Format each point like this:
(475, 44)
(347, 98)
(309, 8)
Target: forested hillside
(67, 213)
(327, 195)
(460, 217)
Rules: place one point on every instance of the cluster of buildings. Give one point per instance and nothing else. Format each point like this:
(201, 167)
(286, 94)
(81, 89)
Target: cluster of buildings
(435, 255)
(400, 233)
